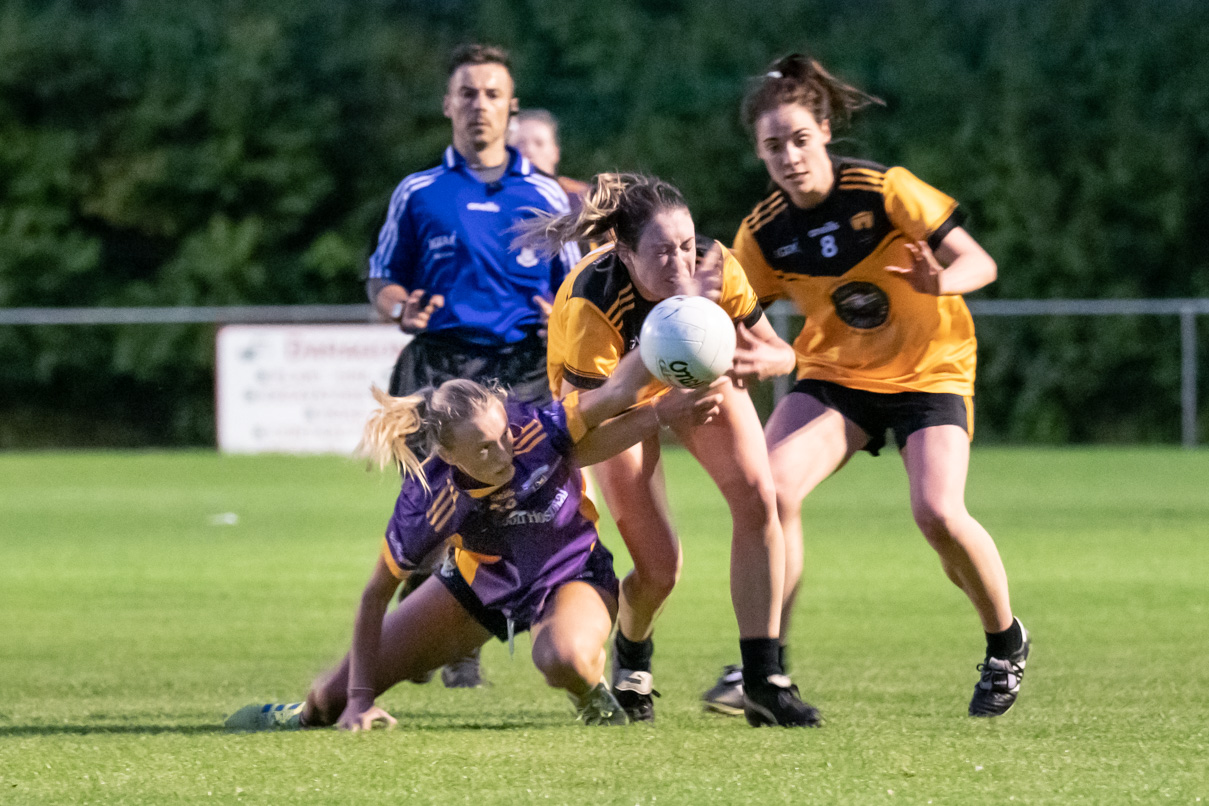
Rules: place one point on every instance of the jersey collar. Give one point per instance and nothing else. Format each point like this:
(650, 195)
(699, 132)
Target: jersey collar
(517, 164)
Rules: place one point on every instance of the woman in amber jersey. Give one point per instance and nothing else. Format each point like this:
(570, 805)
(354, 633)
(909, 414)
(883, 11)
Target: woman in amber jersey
(652, 253)
(876, 261)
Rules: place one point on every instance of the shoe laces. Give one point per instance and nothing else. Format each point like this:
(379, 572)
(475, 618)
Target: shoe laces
(999, 673)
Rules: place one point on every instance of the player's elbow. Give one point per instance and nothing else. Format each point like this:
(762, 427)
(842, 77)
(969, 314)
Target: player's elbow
(990, 270)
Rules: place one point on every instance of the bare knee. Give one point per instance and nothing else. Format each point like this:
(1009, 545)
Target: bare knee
(653, 582)
(567, 663)
(789, 507)
(753, 507)
(939, 521)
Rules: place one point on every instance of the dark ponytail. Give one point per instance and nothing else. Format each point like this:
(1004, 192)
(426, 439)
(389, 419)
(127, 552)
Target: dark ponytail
(800, 79)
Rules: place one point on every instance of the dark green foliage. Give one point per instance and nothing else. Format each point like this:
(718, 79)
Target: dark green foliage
(244, 152)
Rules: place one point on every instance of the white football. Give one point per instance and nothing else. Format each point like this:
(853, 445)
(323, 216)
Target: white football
(687, 341)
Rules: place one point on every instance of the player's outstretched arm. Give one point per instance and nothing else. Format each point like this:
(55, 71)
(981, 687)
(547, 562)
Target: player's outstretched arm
(680, 408)
(360, 712)
(618, 393)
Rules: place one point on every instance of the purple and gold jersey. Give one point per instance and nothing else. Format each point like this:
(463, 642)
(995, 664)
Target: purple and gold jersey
(513, 543)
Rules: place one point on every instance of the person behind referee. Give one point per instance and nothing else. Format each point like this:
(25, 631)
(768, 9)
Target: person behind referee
(444, 269)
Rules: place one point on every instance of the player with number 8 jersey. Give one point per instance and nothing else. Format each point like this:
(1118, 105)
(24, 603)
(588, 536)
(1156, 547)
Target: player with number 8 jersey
(865, 328)
(876, 261)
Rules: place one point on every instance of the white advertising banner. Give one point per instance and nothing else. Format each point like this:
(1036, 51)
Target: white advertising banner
(299, 388)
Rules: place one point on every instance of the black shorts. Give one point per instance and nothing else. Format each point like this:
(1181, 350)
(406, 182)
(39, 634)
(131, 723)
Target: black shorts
(597, 572)
(430, 359)
(904, 413)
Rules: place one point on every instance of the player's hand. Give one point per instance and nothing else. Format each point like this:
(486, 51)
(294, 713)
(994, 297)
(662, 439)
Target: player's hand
(684, 408)
(759, 360)
(545, 308)
(706, 278)
(358, 717)
(924, 272)
(414, 316)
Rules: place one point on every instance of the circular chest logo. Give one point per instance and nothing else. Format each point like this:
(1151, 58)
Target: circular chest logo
(861, 305)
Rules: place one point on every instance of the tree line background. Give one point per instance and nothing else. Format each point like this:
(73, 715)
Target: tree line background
(243, 152)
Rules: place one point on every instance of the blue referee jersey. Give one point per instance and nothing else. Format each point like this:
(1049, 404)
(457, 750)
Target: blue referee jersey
(450, 234)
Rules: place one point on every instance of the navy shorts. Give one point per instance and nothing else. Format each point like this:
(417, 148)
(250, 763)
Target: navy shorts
(597, 572)
(904, 413)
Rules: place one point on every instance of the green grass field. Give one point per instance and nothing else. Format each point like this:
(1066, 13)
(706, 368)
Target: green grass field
(132, 625)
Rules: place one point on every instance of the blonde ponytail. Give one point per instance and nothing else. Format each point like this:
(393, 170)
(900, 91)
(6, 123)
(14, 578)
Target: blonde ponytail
(424, 418)
(385, 437)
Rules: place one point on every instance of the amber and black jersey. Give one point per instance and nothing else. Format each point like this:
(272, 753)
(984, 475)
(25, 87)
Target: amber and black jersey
(866, 328)
(598, 314)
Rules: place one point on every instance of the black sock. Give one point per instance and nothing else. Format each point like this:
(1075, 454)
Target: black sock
(761, 658)
(633, 655)
(783, 657)
(1004, 644)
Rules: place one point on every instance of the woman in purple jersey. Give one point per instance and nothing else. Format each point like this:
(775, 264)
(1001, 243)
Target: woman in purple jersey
(503, 482)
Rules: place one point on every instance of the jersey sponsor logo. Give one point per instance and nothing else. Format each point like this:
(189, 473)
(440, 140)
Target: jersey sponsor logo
(524, 517)
(788, 249)
(830, 226)
(484, 207)
(861, 305)
(527, 258)
(442, 242)
(862, 220)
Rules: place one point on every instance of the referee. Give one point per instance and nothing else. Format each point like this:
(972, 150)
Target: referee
(444, 269)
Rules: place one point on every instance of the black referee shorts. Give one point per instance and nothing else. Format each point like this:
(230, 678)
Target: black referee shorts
(430, 359)
(904, 413)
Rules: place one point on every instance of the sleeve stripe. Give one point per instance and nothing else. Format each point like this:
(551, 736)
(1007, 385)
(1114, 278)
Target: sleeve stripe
(570, 255)
(388, 237)
(552, 191)
(532, 444)
(528, 441)
(749, 321)
(581, 381)
(956, 219)
(760, 209)
(754, 221)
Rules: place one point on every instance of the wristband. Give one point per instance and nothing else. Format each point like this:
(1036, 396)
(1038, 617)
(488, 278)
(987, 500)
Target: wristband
(659, 423)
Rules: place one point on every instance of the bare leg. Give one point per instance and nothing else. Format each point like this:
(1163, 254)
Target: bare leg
(569, 640)
(937, 460)
(632, 483)
(427, 630)
(807, 442)
(731, 449)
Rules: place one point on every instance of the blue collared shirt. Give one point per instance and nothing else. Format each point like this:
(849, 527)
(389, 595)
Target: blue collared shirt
(449, 233)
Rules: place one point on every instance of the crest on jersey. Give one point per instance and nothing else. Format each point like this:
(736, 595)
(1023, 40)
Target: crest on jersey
(861, 305)
(862, 220)
(527, 258)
